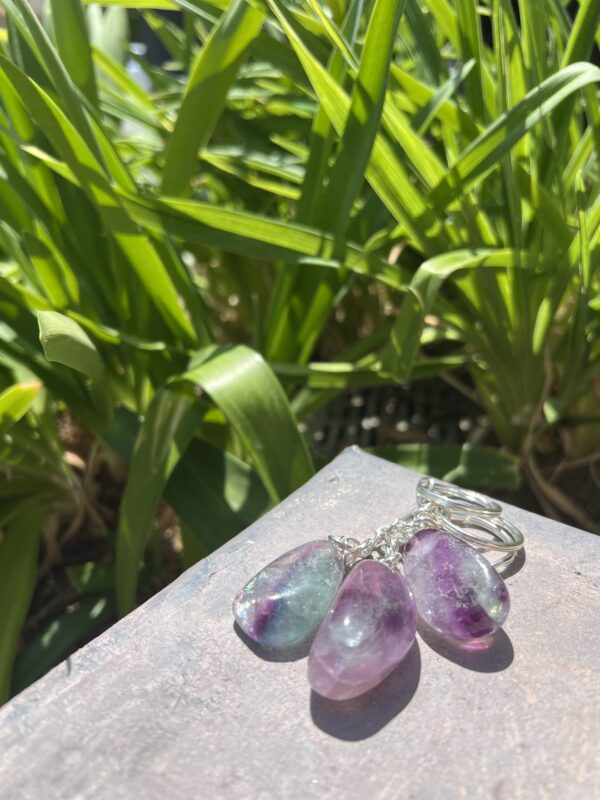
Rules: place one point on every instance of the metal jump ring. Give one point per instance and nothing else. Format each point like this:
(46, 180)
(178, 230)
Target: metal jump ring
(502, 534)
(455, 498)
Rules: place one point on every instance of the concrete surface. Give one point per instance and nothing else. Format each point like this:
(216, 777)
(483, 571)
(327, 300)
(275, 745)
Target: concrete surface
(171, 703)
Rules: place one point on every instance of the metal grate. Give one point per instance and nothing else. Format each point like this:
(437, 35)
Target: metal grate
(428, 412)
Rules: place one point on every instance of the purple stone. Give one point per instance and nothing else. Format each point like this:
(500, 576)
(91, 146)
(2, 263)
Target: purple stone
(367, 632)
(286, 601)
(457, 591)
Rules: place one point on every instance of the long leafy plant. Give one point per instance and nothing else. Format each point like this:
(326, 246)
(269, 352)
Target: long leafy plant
(290, 157)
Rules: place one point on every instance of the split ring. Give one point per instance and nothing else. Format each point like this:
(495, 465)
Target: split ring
(456, 499)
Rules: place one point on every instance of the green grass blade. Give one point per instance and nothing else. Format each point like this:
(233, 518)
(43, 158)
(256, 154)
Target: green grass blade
(48, 271)
(22, 50)
(448, 112)
(428, 112)
(317, 292)
(136, 248)
(579, 47)
(482, 155)
(585, 29)
(287, 309)
(334, 35)
(118, 75)
(72, 41)
(503, 48)
(36, 175)
(337, 376)
(162, 439)
(386, 173)
(240, 232)
(425, 37)
(545, 208)
(466, 465)
(244, 387)
(446, 20)
(471, 48)
(253, 235)
(214, 493)
(71, 100)
(66, 342)
(60, 639)
(171, 36)
(32, 30)
(15, 402)
(400, 353)
(364, 116)
(109, 30)
(213, 74)
(18, 570)
(161, 5)
(322, 135)
(232, 165)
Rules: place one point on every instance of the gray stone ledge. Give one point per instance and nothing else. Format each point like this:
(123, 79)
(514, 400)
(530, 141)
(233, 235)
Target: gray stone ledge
(170, 703)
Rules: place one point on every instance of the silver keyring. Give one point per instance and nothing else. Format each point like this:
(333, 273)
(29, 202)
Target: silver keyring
(454, 498)
(501, 535)
(465, 514)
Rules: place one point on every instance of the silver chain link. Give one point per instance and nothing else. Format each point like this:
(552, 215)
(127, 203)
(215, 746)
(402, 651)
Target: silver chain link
(468, 515)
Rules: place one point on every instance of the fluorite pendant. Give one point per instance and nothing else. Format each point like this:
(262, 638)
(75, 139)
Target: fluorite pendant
(366, 633)
(366, 625)
(285, 602)
(457, 591)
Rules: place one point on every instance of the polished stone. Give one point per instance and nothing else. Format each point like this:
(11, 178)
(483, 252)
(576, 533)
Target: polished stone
(367, 632)
(286, 601)
(457, 591)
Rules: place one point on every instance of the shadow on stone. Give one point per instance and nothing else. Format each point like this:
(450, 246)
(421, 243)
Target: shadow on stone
(516, 566)
(362, 717)
(488, 654)
(290, 654)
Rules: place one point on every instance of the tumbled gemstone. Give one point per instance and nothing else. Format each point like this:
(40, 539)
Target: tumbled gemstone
(366, 633)
(457, 591)
(285, 602)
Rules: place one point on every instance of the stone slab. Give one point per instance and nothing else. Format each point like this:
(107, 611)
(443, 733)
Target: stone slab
(171, 703)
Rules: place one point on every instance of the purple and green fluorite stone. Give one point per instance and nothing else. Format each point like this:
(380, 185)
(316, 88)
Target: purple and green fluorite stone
(457, 591)
(366, 624)
(366, 633)
(284, 604)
